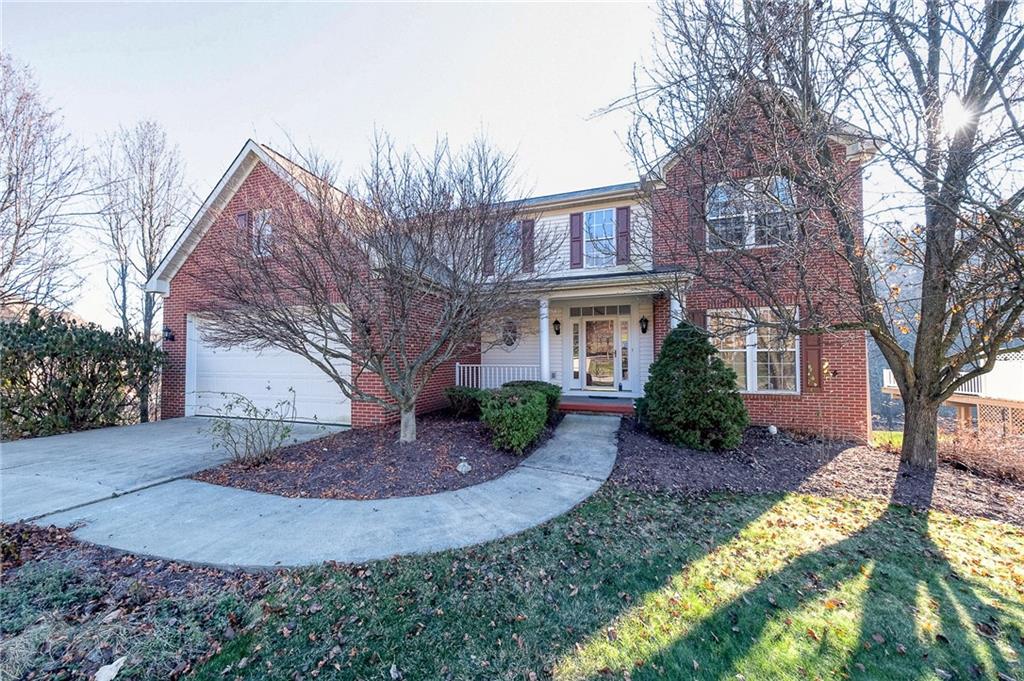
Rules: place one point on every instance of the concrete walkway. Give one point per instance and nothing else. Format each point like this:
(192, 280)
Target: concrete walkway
(44, 475)
(194, 521)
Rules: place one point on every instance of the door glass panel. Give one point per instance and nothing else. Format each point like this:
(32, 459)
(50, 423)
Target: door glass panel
(576, 354)
(600, 340)
(624, 350)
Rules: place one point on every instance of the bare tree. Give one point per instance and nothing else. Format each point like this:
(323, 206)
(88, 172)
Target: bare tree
(803, 94)
(409, 268)
(141, 185)
(42, 178)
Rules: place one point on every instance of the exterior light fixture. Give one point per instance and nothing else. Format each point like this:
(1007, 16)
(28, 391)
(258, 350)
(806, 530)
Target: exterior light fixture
(168, 334)
(643, 324)
(558, 327)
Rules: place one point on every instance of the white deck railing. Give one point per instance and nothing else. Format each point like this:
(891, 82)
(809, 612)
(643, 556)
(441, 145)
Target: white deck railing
(975, 386)
(494, 375)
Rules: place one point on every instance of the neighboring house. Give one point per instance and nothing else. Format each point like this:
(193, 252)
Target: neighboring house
(602, 314)
(992, 402)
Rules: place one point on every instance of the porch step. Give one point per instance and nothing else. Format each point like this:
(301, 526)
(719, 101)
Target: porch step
(596, 405)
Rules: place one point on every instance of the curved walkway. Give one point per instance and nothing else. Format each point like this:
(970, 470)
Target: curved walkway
(198, 522)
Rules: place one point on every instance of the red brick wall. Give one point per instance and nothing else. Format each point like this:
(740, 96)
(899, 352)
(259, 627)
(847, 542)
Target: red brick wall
(840, 408)
(190, 293)
(189, 287)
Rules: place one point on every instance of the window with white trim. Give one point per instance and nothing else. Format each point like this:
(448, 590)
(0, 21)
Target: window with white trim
(599, 237)
(765, 358)
(262, 232)
(508, 247)
(750, 213)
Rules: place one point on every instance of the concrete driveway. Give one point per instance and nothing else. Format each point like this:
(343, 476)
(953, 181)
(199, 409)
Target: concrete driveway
(45, 475)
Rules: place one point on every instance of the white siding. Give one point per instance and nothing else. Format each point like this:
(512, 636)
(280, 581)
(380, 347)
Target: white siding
(551, 233)
(527, 352)
(645, 308)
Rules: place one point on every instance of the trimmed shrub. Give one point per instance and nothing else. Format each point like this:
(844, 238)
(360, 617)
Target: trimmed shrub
(516, 417)
(465, 401)
(552, 393)
(58, 376)
(691, 399)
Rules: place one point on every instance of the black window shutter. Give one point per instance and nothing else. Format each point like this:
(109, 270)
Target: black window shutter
(576, 240)
(527, 238)
(622, 235)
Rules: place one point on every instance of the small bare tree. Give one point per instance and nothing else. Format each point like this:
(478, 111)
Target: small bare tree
(382, 284)
(143, 204)
(42, 179)
(779, 106)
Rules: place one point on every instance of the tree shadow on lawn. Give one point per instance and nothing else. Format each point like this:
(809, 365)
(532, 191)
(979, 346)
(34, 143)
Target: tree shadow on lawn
(884, 602)
(596, 594)
(517, 603)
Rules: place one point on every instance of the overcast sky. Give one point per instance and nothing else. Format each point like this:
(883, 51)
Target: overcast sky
(529, 76)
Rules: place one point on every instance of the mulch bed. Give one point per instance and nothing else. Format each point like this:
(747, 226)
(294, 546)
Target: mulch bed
(371, 464)
(765, 463)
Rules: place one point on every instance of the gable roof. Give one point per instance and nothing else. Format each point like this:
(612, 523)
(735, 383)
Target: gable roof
(251, 154)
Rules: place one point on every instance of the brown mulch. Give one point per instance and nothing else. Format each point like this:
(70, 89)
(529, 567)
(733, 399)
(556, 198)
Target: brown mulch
(371, 464)
(765, 463)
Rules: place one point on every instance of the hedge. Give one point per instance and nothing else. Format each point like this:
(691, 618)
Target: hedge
(58, 376)
(465, 401)
(552, 393)
(515, 416)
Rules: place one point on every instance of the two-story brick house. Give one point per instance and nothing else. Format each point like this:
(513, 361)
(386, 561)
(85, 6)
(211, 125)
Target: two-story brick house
(603, 308)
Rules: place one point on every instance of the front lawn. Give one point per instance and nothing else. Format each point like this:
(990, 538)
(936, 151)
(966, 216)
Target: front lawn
(643, 586)
(892, 439)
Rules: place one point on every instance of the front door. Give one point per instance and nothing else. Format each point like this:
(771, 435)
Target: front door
(600, 348)
(601, 355)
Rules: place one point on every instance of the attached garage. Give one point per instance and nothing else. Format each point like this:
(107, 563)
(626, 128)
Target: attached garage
(214, 375)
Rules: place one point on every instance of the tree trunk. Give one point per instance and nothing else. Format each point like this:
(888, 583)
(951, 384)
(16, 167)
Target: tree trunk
(920, 433)
(144, 403)
(408, 429)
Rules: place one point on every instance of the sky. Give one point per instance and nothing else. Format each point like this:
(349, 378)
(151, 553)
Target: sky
(529, 77)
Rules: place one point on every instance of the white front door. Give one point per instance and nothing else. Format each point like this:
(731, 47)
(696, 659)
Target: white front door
(599, 353)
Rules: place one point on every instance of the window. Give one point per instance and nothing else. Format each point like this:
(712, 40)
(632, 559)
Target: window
(750, 213)
(508, 247)
(262, 234)
(509, 335)
(599, 237)
(763, 357)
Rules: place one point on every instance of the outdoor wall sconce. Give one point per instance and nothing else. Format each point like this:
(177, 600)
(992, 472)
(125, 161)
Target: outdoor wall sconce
(643, 324)
(558, 327)
(168, 334)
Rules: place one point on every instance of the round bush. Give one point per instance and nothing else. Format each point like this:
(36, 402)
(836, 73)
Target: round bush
(690, 398)
(552, 393)
(515, 416)
(465, 401)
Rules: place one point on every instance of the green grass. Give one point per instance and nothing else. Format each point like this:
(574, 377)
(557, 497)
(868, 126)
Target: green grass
(647, 587)
(887, 438)
(42, 621)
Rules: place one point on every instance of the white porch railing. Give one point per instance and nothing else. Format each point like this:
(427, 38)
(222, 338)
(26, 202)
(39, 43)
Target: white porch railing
(494, 375)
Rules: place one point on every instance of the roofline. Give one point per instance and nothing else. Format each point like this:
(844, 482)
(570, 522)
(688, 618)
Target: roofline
(582, 195)
(160, 281)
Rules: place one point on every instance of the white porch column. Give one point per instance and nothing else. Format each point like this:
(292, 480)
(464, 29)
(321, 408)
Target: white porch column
(675, 312)
(545, 345)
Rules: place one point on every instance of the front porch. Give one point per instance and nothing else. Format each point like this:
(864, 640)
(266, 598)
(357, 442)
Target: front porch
(594, 338)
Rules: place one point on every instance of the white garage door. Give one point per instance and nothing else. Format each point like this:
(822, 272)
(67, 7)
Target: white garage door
(215, 374)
